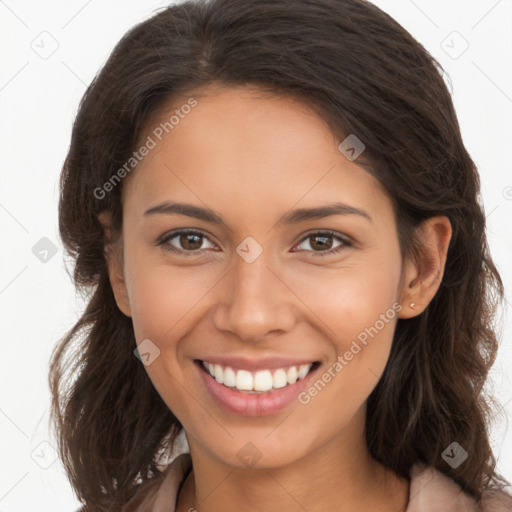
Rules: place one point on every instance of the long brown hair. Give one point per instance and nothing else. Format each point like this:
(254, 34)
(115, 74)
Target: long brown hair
(364, 74)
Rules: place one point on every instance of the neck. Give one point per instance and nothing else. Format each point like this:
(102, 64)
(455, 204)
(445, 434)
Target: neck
(338, 476)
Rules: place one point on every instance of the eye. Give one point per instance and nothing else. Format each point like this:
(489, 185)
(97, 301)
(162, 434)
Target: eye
(321, 243)
(188, 241)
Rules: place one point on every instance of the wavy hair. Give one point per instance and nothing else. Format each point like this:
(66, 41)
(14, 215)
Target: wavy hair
(363, 73)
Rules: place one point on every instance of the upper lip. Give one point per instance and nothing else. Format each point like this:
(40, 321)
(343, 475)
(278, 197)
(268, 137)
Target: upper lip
(252, 364)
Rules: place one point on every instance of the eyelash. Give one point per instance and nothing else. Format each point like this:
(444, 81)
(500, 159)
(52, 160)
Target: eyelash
(164, 242)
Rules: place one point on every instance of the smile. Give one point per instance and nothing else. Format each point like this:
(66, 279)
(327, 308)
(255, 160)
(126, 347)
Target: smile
(255, 388)
(259, 381)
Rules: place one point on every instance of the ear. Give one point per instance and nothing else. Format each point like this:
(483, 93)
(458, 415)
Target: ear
(114, 259)
(422, 279)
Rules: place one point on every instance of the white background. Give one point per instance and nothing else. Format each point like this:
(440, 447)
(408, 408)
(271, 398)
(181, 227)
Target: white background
(38, 101)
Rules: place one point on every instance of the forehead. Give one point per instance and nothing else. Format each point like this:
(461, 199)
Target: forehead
(251, 123)
(244, 148)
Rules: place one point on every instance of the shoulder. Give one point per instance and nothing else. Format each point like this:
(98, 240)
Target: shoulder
(156, 494)
(432, 490)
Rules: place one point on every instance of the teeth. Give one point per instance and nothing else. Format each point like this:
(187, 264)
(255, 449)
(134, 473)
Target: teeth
(244, 380)
(229, 377)
(303, 370)
(219, 374)
(291, 375)
(260, 381)
(279, 379)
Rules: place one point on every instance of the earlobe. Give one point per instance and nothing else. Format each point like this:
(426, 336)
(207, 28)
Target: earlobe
(114, 260)
(423, 278)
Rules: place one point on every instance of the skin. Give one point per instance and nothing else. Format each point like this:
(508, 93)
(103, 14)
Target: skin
(251, 158)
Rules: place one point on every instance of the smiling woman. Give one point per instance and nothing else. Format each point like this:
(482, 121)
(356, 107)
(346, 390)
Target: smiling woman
(294, 275)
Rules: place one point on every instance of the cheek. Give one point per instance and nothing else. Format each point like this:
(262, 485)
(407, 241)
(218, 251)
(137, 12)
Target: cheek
(164, 303)
(365, 312)
(163, 298)
(350, 299)
(357, 310)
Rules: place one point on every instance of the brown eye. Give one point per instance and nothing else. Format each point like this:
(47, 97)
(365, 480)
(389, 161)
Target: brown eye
(184, 241)
(323, 243)
(191, 241)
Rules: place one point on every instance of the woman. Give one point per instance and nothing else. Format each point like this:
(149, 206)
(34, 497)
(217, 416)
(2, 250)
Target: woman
(272, 208)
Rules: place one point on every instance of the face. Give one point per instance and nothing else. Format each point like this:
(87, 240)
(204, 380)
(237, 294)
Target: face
(293, 313)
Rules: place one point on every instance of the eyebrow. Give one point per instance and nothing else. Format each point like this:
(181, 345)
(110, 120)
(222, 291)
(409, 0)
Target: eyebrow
(293, 217)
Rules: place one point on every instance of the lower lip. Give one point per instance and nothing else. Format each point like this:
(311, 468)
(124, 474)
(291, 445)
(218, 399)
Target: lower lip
(253, 404)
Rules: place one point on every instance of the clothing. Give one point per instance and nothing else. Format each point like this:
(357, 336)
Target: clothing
(430, 491)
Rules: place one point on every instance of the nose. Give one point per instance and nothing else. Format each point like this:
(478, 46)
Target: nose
(255, 302)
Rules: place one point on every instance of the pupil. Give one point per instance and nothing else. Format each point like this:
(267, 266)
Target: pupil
(189, 237)
(323, 244)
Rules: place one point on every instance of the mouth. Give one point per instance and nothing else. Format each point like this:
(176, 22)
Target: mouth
(258, 391)
(261, 381)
